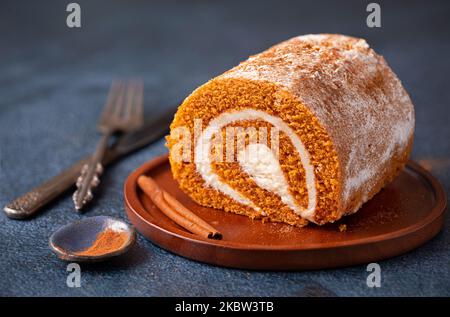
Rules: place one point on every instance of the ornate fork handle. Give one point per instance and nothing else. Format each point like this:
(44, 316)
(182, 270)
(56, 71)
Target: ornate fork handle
(29, 203)
(90, 174)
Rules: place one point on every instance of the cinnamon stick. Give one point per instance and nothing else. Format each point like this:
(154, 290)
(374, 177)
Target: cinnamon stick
(173, 209)
(190, 215)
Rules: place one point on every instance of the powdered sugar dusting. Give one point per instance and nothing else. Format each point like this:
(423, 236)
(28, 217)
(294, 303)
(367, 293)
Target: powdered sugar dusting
(353, 93)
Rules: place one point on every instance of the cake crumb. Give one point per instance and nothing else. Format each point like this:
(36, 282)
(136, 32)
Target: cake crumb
(342, 227)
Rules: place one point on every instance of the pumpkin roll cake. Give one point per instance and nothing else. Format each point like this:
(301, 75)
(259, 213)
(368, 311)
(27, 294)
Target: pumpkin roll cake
(306, 131)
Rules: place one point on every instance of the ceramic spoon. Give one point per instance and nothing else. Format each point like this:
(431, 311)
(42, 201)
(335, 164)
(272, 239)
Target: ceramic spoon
(72, 241)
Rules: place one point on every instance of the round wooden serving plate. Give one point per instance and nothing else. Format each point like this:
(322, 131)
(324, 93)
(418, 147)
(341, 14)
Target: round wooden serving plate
(403, 216)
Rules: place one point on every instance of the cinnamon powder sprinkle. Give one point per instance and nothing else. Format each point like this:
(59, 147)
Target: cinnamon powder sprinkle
(106, 242)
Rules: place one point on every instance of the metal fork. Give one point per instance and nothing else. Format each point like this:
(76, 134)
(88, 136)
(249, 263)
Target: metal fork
(123, 112)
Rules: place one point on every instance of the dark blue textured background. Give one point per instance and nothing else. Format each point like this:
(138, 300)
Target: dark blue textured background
(53, 83)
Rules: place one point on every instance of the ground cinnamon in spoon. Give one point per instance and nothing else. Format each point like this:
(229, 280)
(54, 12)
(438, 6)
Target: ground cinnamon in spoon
(106, 242)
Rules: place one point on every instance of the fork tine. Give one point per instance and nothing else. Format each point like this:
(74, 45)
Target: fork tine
(139, 102)
(108, 109)
(124, 107)
(130, 100)
(119, 101)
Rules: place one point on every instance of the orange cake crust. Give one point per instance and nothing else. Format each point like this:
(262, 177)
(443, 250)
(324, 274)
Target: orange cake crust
(344, 104)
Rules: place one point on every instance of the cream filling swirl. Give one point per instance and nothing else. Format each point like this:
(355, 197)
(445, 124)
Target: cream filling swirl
(258, 163)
